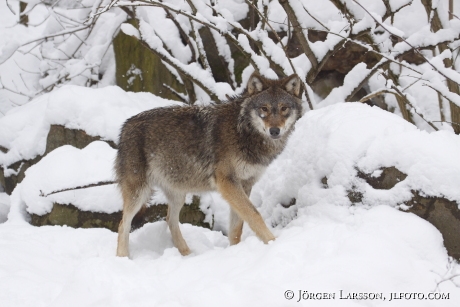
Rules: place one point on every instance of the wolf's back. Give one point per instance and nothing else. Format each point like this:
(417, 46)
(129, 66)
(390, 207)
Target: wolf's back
(176, 144)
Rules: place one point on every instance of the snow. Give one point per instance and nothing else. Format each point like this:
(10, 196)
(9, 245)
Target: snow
(67, 167)
(324, 244)
(130, 30)
(99, 112)
(332, 248)
(352, 80)
(335, 141)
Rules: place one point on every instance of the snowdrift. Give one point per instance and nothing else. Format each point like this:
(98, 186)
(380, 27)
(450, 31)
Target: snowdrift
(325, 244)
(338, 141)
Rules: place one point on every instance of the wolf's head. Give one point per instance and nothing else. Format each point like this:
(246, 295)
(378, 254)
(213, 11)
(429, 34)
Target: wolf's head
(272, 106)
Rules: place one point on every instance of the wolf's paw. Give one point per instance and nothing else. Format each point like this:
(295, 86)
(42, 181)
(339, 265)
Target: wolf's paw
(122, 253)
(185, 251)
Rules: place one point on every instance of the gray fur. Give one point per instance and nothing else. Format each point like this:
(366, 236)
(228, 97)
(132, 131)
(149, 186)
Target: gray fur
(224, 147)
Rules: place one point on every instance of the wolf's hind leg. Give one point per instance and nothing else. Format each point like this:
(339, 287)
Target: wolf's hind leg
(132, 203)
(175, 203)
(235, 229)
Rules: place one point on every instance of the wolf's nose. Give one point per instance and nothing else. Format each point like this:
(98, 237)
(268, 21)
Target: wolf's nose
(274, 131)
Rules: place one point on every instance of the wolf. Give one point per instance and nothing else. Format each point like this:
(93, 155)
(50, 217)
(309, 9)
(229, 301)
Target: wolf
(192, 149)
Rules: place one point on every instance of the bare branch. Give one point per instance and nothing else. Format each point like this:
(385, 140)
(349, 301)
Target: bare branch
(164, 56)
(206, 23)
(181, 96)
(44, 38)
(404, 40)
(390, 13)
(102, 183)
(10, 8)
(365, 79)
(14, 91)
(274, 32)
(377, 93)
(406, 100)
(303, 40)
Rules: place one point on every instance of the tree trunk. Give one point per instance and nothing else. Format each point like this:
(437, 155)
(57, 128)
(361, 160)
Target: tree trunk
(140, 70)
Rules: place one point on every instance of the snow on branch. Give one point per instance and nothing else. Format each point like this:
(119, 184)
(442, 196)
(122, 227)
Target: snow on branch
(211, 47)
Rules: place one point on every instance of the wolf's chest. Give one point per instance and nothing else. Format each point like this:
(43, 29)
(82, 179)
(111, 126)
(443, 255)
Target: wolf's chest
(248, 171)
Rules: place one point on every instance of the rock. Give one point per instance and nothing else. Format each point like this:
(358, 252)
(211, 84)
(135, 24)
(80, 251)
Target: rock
(10, 182)
(389, 177)
(71, 216)
(57, 137)
(60, 135)
(444, 214)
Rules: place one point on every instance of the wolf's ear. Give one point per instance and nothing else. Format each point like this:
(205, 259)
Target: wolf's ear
(293, 85)
(255, 84)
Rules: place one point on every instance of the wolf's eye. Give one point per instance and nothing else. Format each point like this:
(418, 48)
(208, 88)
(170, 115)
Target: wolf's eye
(265, 109)
(283, 109)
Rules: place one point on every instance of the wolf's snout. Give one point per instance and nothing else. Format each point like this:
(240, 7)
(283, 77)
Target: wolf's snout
(275, 131)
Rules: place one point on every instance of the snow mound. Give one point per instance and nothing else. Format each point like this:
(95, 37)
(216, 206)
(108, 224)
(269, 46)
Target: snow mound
(70, 167)
(332, 249)
(323, 244)
(54, 178)
(336, 141)
(99, 112)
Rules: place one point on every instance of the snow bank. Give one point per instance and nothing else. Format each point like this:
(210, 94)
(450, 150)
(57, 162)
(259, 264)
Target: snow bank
(99, 112)
(69, 167)
(323, 244)
(331, 249)
(335, 141)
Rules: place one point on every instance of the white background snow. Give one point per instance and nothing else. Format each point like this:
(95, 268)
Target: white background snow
(324, 243)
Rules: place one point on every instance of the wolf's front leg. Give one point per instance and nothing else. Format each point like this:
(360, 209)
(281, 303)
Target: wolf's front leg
(233, 192)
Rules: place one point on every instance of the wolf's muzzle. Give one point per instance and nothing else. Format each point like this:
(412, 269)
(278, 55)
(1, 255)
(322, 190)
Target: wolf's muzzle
(275, 132)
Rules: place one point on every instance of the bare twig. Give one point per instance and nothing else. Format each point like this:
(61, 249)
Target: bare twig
(314, 18)
(390, 13)
(365, 79)
(181, 96)
(303, 40)
(404, 40)
(102, 183)
(173, 62)
(377, 93)
(14, 91)
(274, 32)
(413, 108)
(10, 8)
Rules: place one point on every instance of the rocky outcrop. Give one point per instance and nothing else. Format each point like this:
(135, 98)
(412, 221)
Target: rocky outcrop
(71, 216)
(57, 137)
(443, 213)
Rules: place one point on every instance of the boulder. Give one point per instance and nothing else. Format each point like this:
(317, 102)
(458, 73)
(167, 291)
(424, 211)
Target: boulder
(443, 213)
(57, 137)
(72, 216)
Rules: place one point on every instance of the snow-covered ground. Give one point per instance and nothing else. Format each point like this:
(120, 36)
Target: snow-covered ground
(329, 249)
(324, 244)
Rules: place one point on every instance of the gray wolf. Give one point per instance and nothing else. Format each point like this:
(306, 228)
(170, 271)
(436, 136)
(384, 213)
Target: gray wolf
(224, 147)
